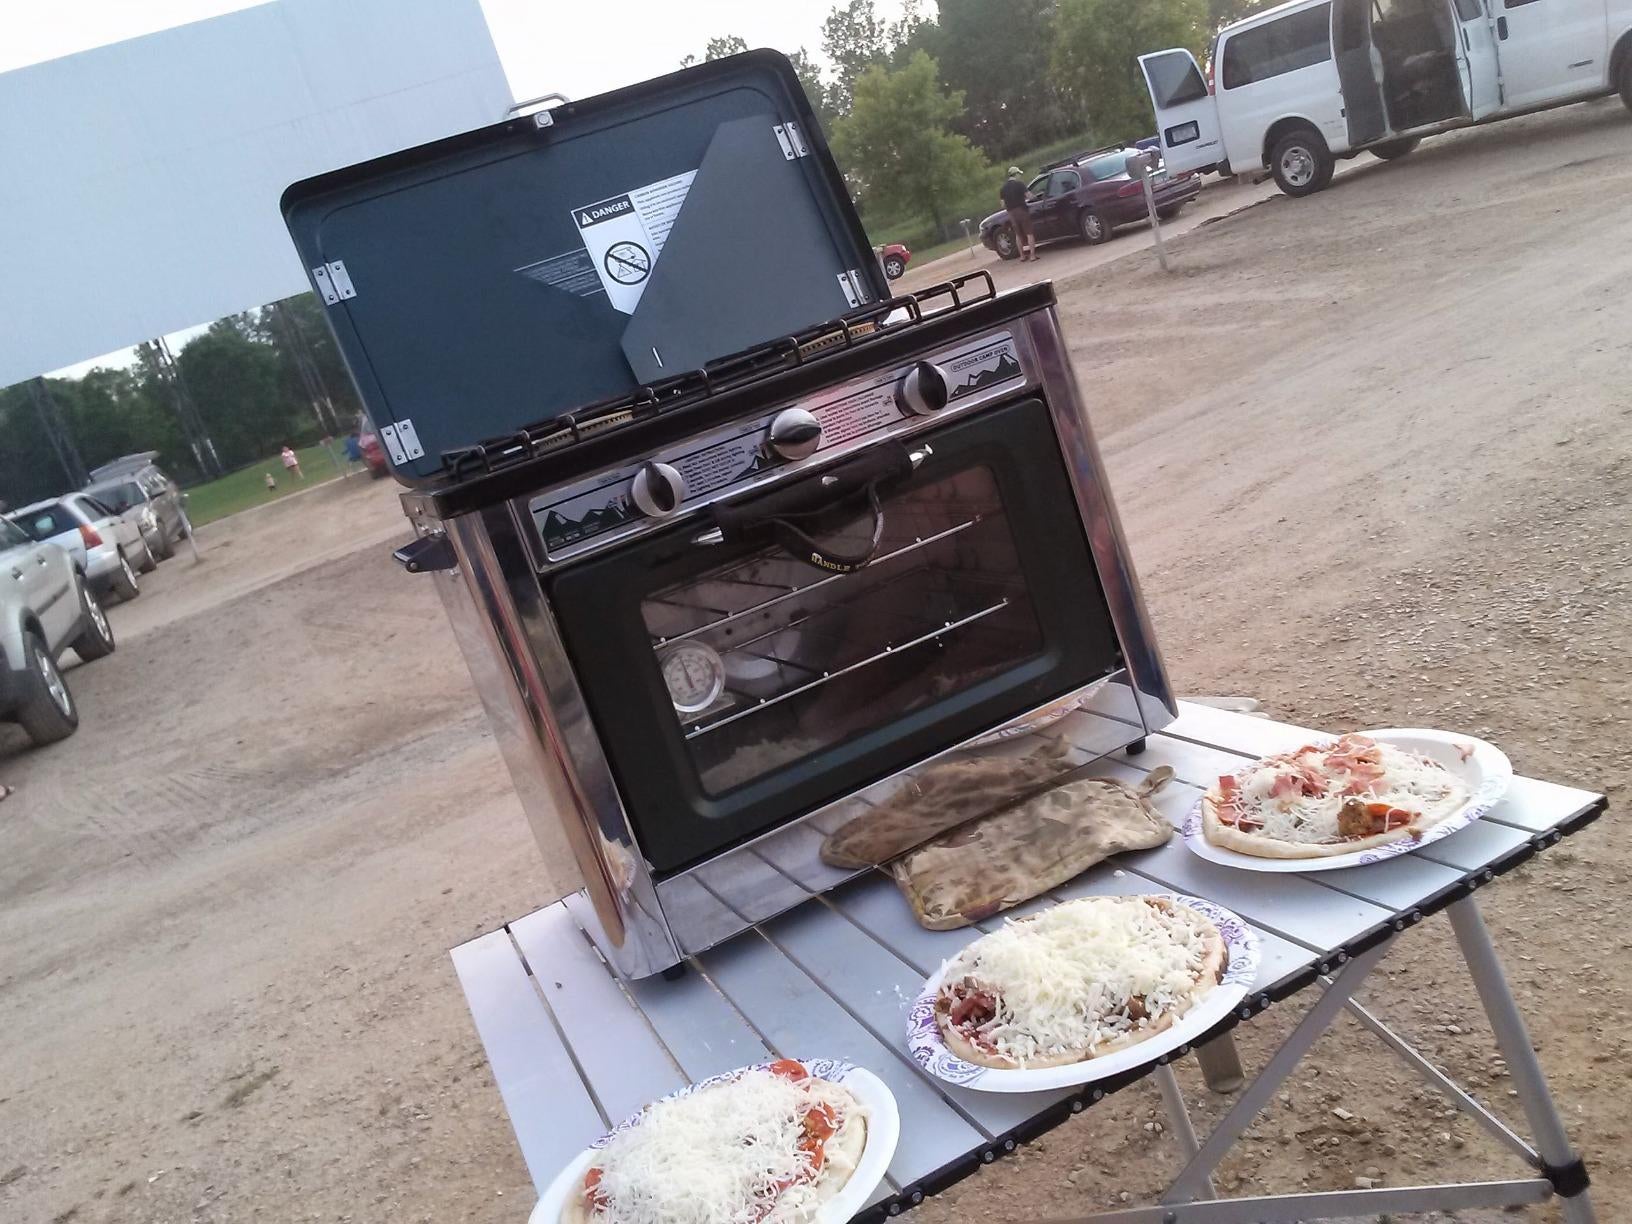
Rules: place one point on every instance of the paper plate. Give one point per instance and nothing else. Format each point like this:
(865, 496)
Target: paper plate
(931, 1053)
(883, 1129)
(1486, 771)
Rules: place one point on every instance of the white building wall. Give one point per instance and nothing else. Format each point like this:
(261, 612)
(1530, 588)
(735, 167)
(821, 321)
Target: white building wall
(139, 182)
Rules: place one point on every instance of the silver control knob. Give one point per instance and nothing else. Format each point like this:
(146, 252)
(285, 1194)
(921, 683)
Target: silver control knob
(795, 433)
(658, 489)
(923, 392)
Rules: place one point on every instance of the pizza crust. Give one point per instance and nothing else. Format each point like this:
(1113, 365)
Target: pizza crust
(1228, 837)
(1214, 963)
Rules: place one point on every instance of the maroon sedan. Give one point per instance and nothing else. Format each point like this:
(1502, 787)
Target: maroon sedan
(1087, 199)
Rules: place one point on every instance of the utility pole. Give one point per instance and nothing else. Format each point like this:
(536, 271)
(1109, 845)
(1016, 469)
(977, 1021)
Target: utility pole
(311, 378)
(73, 467)
(198, 438)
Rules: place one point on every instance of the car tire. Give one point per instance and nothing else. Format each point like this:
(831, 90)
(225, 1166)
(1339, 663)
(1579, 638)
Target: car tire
(166, 548)
(123, 583)
(1301, 163)
(95, 640)
(1625, 83)
(376, 473)
(1004, 242)
(1168, 213)
(1092, 227)
(1389, 150)
(47, 712)
(146, 562)
(894, 269)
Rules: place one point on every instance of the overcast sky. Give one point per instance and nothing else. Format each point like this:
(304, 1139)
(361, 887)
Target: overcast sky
(576, 47)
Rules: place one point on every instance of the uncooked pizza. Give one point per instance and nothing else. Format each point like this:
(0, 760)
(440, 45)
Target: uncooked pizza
(1329, 799)
(769, 1146)
(1078, 981)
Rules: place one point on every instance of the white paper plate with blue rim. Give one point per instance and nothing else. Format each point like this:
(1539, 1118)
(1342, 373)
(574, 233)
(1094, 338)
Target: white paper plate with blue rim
(930, 1051)
(883, 1130)
(1482, 767)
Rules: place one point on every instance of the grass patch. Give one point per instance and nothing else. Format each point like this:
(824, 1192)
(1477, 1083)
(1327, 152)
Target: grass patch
(247, 486)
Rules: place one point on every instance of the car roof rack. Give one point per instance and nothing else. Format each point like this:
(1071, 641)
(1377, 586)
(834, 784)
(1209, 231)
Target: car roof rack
(1078, 158)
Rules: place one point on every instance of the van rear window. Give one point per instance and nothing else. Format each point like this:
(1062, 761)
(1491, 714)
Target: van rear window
(1283, 45)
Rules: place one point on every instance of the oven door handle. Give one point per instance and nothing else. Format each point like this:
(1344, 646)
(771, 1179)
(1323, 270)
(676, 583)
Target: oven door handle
(773, 514)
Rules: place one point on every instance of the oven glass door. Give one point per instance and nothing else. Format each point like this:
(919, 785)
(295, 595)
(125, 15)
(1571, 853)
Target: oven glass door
(737, 686)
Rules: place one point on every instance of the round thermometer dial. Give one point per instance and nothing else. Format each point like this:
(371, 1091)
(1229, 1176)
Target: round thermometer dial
(695, 676)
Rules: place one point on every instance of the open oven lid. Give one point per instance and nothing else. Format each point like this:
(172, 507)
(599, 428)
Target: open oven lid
(497, 280)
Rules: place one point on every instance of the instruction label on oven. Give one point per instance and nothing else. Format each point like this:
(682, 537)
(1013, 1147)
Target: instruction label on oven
(714, 463)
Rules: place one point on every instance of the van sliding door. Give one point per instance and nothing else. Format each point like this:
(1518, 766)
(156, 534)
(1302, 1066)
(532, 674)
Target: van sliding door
(1358, 69)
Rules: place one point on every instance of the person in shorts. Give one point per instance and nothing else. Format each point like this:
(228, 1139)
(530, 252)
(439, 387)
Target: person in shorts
(1013, 193)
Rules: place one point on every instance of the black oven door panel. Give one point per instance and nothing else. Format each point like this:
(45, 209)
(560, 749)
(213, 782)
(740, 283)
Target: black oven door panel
(738, 686)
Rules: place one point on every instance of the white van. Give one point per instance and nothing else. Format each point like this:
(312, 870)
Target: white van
(1297, 86)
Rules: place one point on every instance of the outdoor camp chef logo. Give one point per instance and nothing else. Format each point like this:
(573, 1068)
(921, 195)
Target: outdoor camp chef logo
(594, 214)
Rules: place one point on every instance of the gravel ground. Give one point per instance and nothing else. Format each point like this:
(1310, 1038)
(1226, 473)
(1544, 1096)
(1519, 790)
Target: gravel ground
(1372, 452)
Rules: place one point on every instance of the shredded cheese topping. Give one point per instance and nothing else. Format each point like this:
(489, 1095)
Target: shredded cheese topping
(728, 1154)
(1063, 981)
(1400, 780)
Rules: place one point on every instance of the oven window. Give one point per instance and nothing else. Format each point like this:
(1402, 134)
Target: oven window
(768, 659)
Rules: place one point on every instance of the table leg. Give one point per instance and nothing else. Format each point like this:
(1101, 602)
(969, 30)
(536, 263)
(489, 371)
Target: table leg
(1257, 1094)
(1220, 1064)
(1178, 1117)
(1563, 1166)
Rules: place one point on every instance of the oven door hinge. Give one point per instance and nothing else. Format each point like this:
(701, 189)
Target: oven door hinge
(401, 441)
(854, 286)
(333, 282)
(792, 140)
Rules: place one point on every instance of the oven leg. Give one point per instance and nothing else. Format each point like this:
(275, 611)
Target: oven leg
(1135, 748)
(1220, 1064)
(1561, 1164)
(675, 972)
(1178, 1117)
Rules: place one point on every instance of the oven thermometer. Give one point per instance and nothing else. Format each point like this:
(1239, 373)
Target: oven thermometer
(694, 674)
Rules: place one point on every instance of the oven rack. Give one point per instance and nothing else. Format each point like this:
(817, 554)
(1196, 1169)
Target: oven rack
(889, 651)
(788, 593)
(848, 331)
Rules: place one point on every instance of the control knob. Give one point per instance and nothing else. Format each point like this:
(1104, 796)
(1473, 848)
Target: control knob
(658, 489)
(795, 433)
(923, 392)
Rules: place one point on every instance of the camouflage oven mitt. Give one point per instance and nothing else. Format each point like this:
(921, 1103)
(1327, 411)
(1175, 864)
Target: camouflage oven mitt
(941, 796)
(996, 862)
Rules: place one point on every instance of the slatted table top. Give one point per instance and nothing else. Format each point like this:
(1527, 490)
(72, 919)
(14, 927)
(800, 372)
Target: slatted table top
(574, 1050)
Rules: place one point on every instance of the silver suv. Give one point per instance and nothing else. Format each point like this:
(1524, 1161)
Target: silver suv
(45, 607)
(136, 489)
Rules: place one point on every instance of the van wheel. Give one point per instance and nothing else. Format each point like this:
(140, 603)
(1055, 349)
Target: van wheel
(95, 640)
(47, 712)
(1391, 149)
(1301, 162)
(1093, 227)
(1626, 79)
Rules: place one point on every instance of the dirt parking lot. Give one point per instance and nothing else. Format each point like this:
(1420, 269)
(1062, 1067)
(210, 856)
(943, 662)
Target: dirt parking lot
(1374, 453)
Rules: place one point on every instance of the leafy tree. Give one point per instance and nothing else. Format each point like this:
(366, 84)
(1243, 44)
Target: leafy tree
(997, 53)
(854, 39)
(1221, 12)
(719, 48)
(897, 145)
(1096, 55)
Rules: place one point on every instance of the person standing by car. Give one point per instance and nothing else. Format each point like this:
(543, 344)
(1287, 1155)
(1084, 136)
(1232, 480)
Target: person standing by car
(1013, 193)
(291, 463)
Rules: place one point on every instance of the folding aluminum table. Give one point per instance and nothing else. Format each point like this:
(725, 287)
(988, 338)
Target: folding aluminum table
(574, 1049)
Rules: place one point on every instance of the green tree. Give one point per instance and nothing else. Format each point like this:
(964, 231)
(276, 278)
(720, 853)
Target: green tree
(854, 39)
(897, 146)
(1096, 56)
(997, 53)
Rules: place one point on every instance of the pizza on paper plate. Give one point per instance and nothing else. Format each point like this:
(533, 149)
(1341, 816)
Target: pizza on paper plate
(1078, 981)
(1323, 800)
(769, 1146)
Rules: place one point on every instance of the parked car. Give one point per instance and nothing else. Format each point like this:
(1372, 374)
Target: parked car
(105, 548)
(1302, 84)
(372, 448)
(126, 485)
(894, 257)
(45, 607)
(1087, 198)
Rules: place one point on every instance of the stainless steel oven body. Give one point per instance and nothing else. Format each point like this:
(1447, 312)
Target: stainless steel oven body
(702, 656)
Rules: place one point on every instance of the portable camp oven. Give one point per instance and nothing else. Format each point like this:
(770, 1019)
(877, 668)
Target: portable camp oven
(732, 542)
